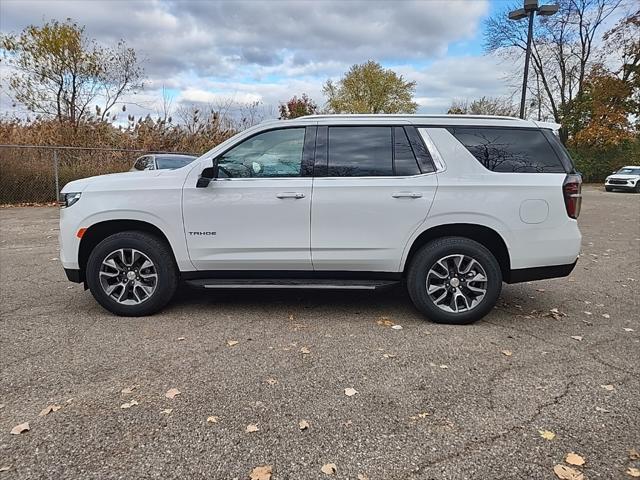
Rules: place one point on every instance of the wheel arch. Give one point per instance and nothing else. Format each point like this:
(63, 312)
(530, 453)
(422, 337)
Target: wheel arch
(482, 234)
(101, 230)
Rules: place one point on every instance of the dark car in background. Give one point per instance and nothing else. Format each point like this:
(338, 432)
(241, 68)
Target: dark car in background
(164, 161)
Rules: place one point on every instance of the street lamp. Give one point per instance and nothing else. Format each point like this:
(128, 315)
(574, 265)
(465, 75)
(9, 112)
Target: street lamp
(529, 10)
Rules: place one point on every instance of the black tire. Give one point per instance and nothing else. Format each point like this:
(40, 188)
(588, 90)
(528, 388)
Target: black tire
(637, 189)
(156, 250)
(608, 189)
(427, 257)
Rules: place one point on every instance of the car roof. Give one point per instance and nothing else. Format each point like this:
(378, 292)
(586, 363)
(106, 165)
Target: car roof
(630, 166)
(404, 119)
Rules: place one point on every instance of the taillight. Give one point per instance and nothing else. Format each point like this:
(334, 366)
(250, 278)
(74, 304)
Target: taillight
(571, 189)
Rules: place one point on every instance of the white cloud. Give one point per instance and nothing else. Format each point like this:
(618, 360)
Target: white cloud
(269, 51)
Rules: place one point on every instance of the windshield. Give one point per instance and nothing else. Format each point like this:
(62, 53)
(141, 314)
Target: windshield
(629, 171)
(166, 162)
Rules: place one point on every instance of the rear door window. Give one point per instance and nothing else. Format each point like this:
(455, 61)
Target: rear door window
(360, 152)
(404, 160)
(510, 150)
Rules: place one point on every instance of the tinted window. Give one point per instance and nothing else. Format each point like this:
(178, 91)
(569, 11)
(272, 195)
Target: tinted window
(404, 160)
(171, 162)
(360, 152)
(510, 150)
(144, 163)
(277, 153)
(629, 171)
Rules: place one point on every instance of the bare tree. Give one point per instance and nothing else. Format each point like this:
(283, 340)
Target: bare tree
(564, 47)
(484, 106)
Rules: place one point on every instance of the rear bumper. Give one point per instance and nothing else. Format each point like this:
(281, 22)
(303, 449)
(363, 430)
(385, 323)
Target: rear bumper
(540, 273)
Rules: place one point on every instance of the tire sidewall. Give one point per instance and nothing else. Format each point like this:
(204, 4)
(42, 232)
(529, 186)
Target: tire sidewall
(437, 249)
(157, 253)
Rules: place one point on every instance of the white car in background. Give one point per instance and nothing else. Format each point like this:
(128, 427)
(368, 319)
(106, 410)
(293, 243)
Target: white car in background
(627, 178)
(165, 161)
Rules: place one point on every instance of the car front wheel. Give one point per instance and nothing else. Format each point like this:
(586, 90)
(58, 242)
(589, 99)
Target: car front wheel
(132, 274)
(454, 280)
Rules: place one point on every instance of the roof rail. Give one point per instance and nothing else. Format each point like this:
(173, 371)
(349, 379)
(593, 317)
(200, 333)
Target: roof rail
(400, 115)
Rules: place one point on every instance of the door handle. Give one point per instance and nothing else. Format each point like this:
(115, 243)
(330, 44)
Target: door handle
(406, 195)
(290, 195)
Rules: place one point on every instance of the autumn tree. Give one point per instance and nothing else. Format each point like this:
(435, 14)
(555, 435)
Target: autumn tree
(297, 107)
(59, 72)
(563, 48)
(370, 88)
(484, 106)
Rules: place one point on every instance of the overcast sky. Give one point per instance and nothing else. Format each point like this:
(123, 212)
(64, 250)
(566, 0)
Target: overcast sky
(268, 51)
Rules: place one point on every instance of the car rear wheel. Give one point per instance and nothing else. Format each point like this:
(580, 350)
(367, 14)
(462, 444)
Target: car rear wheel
(454, 280)
(132, 274)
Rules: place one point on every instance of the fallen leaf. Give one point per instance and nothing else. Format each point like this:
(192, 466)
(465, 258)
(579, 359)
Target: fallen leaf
(567, 473)
(129, 404)
(606, 315)
(588, 313)
(397, 327)
(128, 390)
(577, 337)
(180, 339)
(385, 322)
(556, 314)
(350, 392)
(47, 410)
(251, 428)
(18, 429)
(546, 434)
(388, 355)
(362, 476)
(305, 350)
(167, 411)
(6, 468)
(261, 473)
(303, 424)
(213, 419)
(272, 381)
(608, 388)
(628, 329)
(444, 366)
(329, 468)
(602, 410)
(231, 343)
(540, 289)
(634, 454)
(172, 392)
(507, 353)
(633, 472)
(574, 459)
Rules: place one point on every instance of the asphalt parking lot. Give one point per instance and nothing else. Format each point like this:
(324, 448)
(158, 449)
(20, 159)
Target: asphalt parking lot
(432, 401)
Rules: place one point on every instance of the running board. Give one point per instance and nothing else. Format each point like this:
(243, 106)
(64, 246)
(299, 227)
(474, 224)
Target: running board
(324, 284)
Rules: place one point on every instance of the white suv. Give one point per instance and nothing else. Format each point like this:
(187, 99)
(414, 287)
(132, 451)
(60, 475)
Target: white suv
(451, 206)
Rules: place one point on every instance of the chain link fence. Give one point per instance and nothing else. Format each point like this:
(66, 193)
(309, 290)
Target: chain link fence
(36, 173)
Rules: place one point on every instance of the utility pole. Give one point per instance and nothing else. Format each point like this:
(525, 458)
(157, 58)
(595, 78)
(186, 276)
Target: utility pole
(530, 9)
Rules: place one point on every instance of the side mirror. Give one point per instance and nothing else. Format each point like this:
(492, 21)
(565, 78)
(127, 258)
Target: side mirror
(206, 176)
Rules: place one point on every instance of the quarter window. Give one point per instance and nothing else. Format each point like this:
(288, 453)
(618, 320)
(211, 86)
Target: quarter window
(360, 152)
(276, 153)
(510, 150)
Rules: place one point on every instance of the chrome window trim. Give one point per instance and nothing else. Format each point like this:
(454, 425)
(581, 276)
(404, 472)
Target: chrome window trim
(433, 150)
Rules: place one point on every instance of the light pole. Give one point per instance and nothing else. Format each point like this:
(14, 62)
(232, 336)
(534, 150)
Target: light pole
(529, 10)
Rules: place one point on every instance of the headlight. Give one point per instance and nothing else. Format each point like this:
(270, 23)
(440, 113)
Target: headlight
(69, 199)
